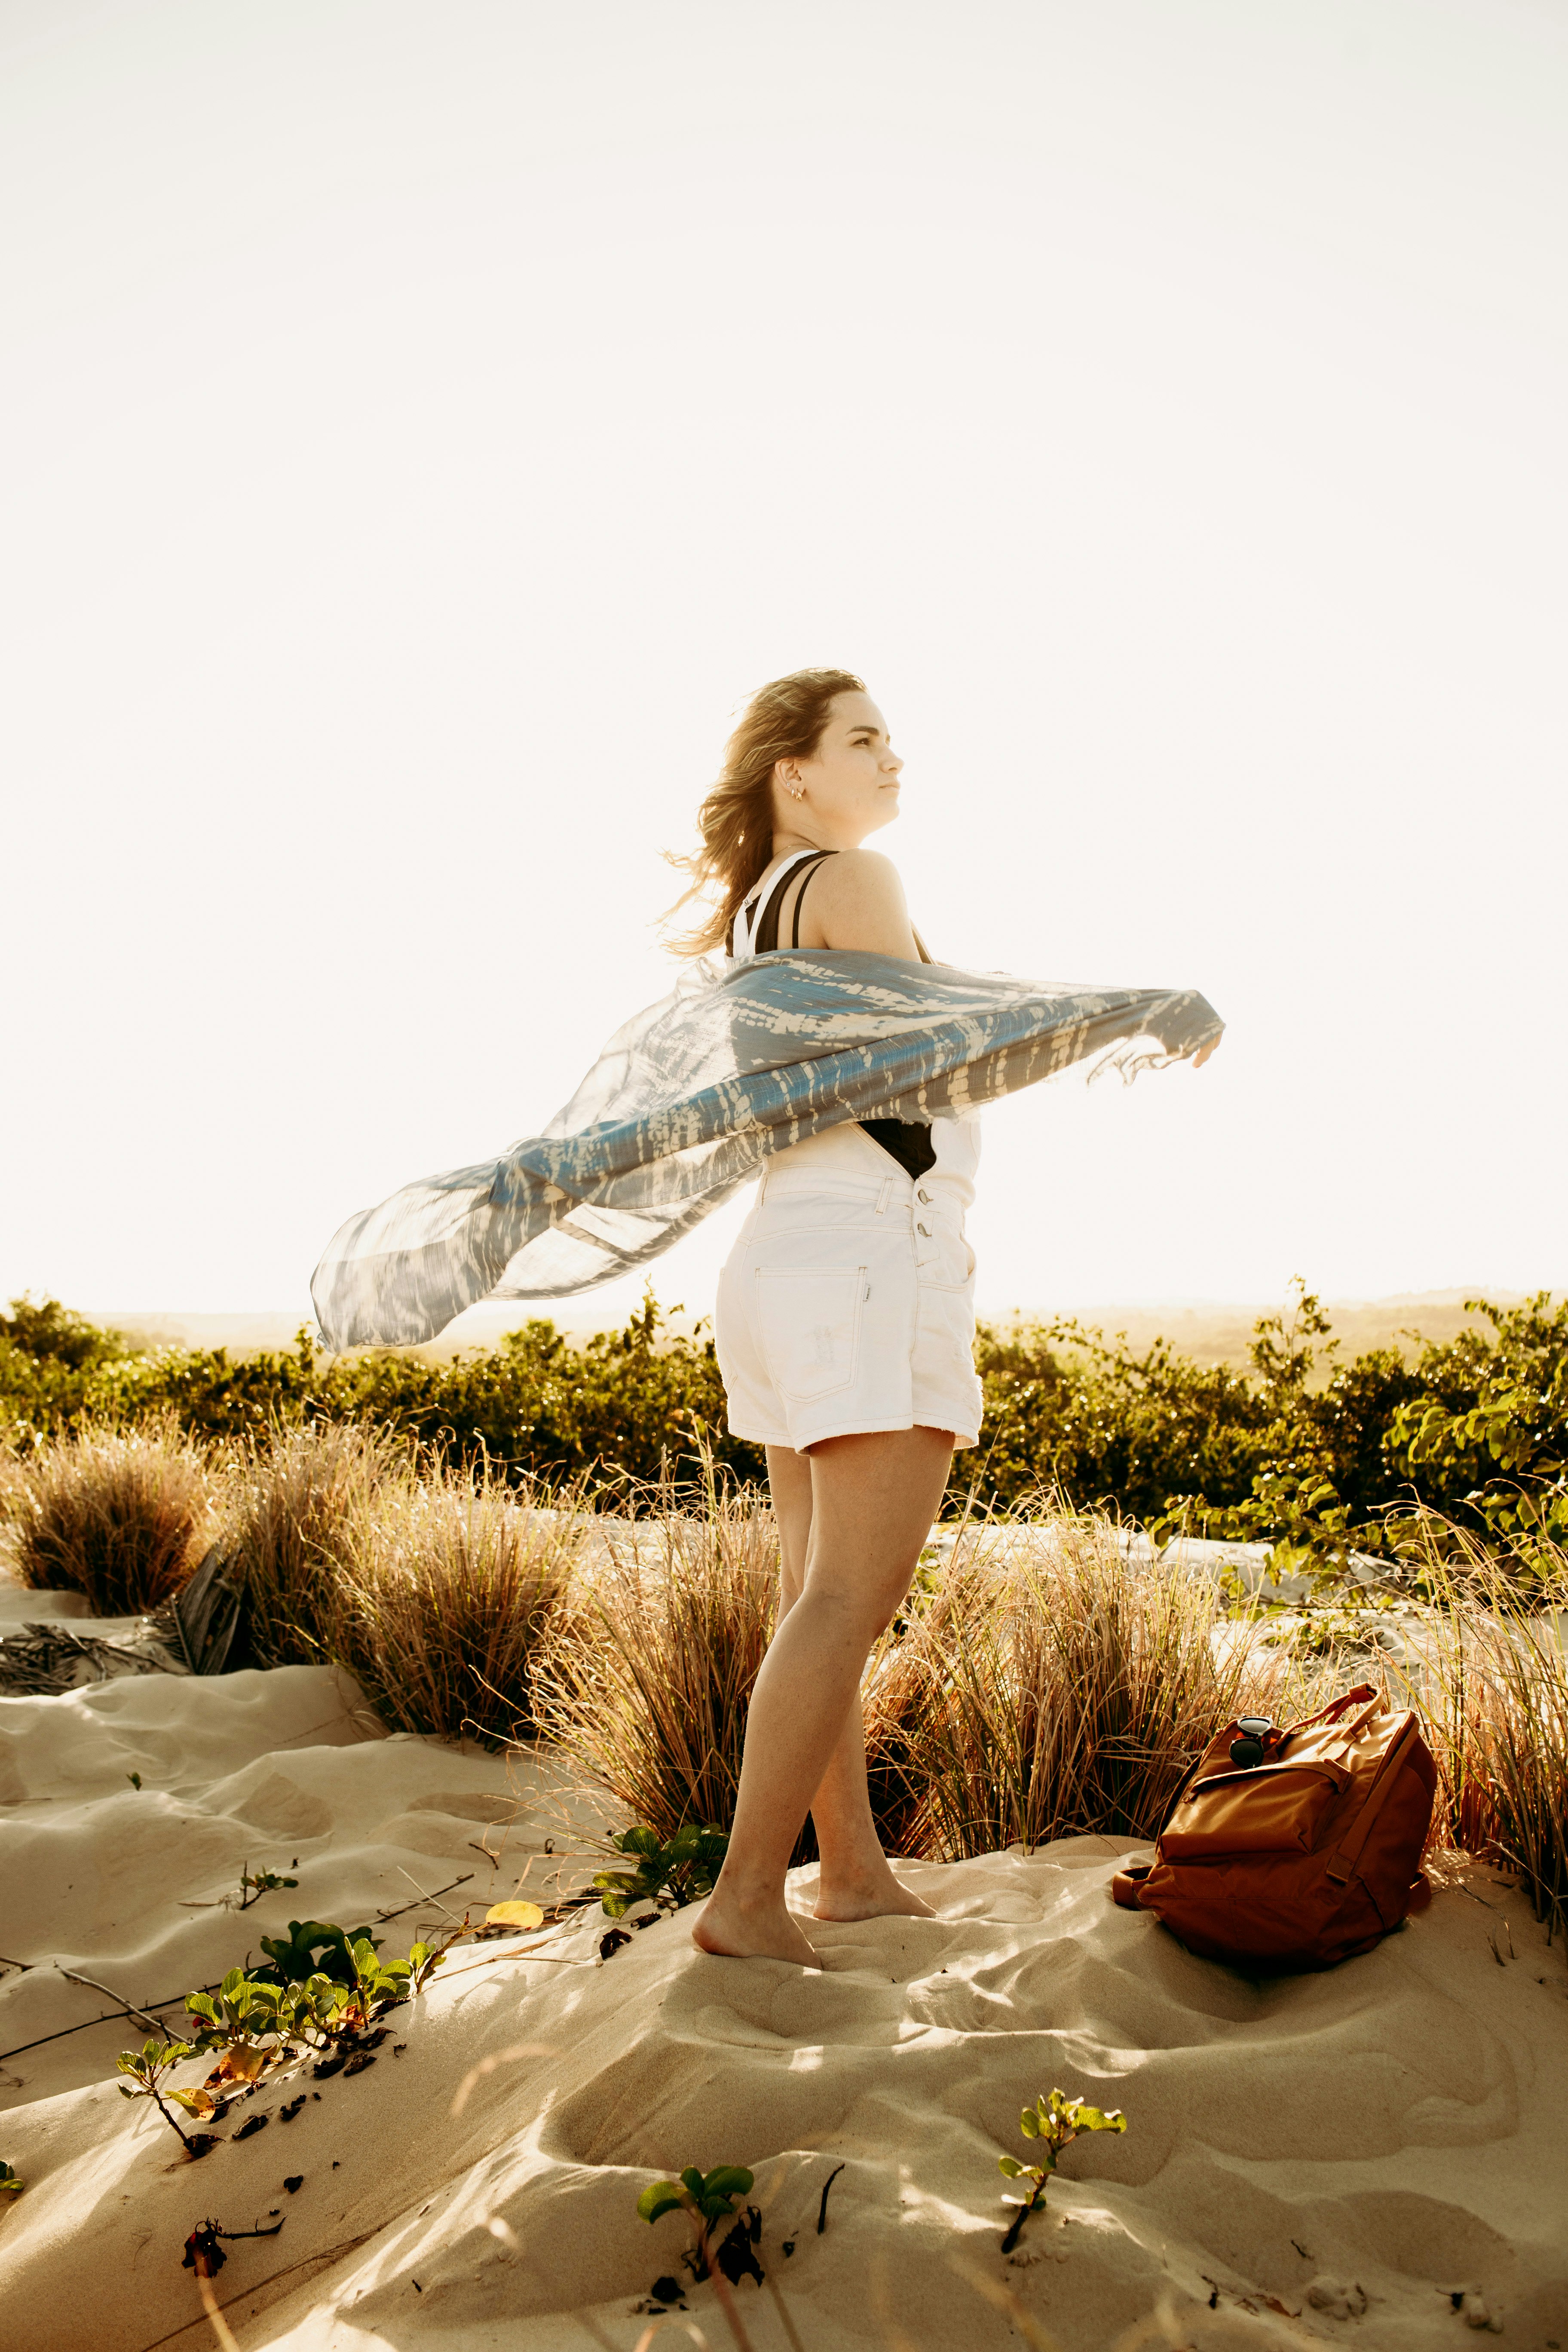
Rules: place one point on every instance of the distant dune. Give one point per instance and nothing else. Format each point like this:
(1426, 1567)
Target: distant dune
(1210, 1332)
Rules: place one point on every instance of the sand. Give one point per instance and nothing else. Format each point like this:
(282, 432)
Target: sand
(1384, 2138)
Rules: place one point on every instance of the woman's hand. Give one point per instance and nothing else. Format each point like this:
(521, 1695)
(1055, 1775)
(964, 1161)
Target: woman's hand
(1202, 1055)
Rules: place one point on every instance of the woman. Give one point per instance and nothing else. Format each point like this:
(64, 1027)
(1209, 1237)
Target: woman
(846, 1319)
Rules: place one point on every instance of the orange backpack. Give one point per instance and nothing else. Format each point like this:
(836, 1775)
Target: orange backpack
(1304, 1857)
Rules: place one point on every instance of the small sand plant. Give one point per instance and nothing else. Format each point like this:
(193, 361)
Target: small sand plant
(120, 1515)
(10, 2182)
(243, 2020)
(254, 1884)
(1055, 2121)
(145, 2070)
(686, 1870)
(203, 2248)
(708, 2201)
(647, 1680)
(328, 1982)
(322, 1990)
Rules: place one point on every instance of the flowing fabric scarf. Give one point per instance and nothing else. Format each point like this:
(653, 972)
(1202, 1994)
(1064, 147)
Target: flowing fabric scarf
(690, 1098)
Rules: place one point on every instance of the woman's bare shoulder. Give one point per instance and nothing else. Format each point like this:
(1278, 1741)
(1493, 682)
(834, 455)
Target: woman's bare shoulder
(861, 905)
(861, 877)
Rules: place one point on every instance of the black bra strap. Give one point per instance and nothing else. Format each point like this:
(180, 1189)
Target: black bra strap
(807, 871)
(765, 938)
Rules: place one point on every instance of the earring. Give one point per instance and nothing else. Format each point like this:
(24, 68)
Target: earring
(798, 792)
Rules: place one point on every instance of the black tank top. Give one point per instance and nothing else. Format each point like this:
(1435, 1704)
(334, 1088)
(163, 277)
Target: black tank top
(907, 1141)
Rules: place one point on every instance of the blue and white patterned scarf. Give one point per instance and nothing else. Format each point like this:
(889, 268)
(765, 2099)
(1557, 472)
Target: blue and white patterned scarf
(689, 1099)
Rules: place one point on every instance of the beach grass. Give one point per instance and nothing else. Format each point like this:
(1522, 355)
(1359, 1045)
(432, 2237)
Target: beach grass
(119, 1516)
(304, 1507)
(455, 1588)
(647, 1677)
(1054, 1687)
(1488, 1670)
(1044, 1679)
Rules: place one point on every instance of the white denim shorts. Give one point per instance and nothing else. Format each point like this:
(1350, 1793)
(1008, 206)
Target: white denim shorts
(848, 1302)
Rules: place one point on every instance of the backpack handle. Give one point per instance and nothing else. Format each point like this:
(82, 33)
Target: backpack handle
(1332, 1712)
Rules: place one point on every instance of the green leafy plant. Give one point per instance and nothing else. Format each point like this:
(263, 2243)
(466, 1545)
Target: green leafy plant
(1056, 2122)
(145, 2070)
(671, 1875)
(708, 2197)
(314, 2013)
(242, 2020)
(10, 2182)
(1509, 1449)
(1307, 1449)
(312, 1948)
(708, 2200)
(321, 1984)
(254, 1884)
(376, 1986)
(415, 1973)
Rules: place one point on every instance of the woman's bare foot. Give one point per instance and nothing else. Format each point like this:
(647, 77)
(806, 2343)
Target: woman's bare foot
(734, 1930)
(870, 1894)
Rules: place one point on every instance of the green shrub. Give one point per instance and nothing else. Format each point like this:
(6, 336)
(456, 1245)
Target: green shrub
(48, 1357)
(1065, 1408)
(1477, 1429)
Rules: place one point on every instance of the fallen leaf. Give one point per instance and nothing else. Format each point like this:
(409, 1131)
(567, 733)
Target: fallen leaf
(243, 2063)
(514, 1914)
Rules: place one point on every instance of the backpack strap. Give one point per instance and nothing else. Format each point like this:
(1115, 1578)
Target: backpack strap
(1125, 1886)
(1342, 1863)
(1332, 1712)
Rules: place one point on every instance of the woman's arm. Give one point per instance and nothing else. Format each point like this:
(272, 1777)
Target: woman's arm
(856, 900)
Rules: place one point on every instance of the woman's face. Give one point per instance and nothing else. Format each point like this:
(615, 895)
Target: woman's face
(850, 786)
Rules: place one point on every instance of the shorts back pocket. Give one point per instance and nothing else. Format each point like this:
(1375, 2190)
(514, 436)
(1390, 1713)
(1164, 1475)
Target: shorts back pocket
(809, 1320)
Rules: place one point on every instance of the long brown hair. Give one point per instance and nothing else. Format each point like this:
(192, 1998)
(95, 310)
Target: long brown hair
(783, 720)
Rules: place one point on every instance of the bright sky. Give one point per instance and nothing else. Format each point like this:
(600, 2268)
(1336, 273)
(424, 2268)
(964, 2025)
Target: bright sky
(427, 420)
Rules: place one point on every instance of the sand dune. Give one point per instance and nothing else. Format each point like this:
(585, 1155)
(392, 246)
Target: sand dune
(1385, 2137)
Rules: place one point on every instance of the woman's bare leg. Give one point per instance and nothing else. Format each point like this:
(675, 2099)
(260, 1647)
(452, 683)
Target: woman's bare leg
(854, 1881)
(873, 1499)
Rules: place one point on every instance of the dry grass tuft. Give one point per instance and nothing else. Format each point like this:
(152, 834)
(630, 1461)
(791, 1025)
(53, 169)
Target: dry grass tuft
(1053, 1688)
(1046, 1687)
(648, 1676)
(1489, 1672)
(457, 1585)
(305, 1507)
(121, 1518)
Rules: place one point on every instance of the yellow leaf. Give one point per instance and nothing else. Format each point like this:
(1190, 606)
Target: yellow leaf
(243, 2063)
(514, 1914)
